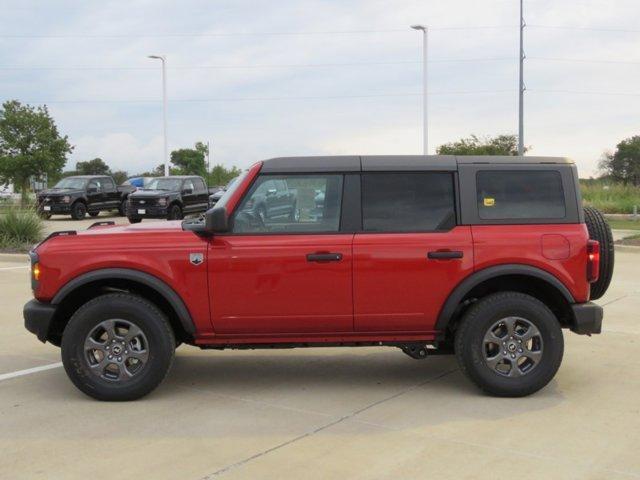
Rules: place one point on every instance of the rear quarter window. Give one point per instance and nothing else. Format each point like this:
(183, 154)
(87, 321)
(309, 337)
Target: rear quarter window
(520, 194)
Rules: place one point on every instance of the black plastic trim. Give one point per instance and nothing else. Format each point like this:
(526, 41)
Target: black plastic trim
(587, 318)
(351, 214)
(134, 275)
(477, 278)
(38, 317)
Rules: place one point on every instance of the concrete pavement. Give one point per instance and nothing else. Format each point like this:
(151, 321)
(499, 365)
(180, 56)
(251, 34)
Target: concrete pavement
(364, 413)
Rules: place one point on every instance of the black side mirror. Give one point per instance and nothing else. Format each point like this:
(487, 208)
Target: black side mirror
(92, 190)
(216, 220)
(187, 191)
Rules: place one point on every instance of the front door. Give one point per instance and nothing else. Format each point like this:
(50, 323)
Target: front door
(411, 254)
(280, 275)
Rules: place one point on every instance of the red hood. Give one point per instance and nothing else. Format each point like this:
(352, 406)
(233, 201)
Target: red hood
(175, 225)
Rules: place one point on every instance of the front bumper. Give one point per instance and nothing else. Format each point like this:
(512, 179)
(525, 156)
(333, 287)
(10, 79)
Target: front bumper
(587, 318)
(149, 212)
(38, 317)
(55, 207)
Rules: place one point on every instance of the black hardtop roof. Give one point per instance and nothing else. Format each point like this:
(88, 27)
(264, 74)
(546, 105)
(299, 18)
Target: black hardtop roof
(354, 163)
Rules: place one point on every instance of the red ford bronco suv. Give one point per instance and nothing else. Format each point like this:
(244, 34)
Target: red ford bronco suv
(487, 258)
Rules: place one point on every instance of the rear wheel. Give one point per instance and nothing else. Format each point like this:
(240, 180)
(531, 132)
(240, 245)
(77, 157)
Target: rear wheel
(599, 230)
(509, 344)
(78, 211)
(117, 347)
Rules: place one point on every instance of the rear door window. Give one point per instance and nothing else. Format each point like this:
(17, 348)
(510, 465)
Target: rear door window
(520, 194)
(408, 202)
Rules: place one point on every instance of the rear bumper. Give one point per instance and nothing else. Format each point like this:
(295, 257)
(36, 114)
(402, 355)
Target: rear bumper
(587, 318)
(38, 317)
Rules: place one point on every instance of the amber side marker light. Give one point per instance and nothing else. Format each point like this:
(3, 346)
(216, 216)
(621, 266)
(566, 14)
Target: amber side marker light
(35, 271)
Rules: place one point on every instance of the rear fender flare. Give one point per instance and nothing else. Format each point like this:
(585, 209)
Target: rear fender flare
(481, 276)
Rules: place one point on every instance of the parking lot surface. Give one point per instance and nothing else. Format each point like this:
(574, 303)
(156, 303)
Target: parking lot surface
(365, 413)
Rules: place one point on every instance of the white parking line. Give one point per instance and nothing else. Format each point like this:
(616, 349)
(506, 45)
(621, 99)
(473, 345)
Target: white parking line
(14, 268)
(29, 371)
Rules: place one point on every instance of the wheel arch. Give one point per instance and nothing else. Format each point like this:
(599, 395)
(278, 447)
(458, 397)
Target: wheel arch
(512, 277)
(91, 284)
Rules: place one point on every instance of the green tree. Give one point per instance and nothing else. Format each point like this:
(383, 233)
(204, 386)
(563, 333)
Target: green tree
(474, 145)
(93, 167)
(221, 175)
(624, 164)
(191, 161)
(30, 145)
(119, 176)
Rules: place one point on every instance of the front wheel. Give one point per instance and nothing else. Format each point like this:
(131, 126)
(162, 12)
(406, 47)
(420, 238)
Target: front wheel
(175, 212)
(78, 211)
(117, 347)
(509, 344)
(94, 214)
(122, 208)
(134, 220)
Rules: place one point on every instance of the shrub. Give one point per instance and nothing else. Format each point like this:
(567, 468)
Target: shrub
(610, 197)
(20, 229)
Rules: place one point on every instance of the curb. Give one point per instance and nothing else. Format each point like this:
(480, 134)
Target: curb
(14, 257)
(627, 248)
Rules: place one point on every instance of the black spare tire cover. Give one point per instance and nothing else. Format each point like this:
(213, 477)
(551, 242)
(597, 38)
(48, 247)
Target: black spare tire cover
(599, 230)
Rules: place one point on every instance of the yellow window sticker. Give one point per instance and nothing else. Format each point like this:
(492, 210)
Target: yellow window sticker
(489, 202)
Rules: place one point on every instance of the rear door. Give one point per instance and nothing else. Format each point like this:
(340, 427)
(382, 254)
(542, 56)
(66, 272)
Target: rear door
(201, 195)
(279, 275)
(111, 196)
(411, 253)
(189, 195)
(95, 194)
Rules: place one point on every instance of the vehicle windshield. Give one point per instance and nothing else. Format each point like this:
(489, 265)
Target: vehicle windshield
(232, 186)
(231, 182)
(71, 182)
(164, 183)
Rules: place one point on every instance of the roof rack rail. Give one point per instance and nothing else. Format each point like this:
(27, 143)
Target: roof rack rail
(104, 223)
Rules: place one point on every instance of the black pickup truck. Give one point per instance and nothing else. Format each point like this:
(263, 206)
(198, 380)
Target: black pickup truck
(168, 197)
(82, 194)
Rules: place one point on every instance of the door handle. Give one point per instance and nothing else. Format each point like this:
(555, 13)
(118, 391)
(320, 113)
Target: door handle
(445, 254)
(324, 257)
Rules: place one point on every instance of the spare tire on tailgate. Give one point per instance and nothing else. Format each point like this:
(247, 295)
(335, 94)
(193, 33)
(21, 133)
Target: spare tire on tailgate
(599, 230)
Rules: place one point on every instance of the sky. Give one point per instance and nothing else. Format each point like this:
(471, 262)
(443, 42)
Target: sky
(260, 79)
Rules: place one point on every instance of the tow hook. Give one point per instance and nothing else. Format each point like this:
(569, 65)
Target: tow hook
(417, 352)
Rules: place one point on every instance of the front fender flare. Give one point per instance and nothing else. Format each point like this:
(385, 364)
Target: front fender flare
(137, 276)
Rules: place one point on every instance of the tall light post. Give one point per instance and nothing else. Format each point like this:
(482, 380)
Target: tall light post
(521, 86)
(425, 126)
(163, 59)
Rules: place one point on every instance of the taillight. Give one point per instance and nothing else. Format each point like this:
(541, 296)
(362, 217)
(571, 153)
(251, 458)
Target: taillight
(593, 260)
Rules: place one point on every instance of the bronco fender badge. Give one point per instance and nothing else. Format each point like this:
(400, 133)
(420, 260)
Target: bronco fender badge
(196, 258)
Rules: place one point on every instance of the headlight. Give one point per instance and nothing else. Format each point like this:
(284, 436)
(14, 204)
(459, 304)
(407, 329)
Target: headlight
(66, 199)
(162, 202)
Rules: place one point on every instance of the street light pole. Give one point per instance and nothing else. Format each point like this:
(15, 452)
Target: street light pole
(163, 59)
(521, 86)
(425, 125)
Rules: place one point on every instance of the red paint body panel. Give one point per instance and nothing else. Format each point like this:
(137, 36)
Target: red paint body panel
(158, 248)
(264, 284)
(522, 244)
(396, 287)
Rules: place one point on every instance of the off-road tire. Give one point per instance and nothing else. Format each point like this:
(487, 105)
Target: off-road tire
(78, 211)
(478, 319)
(123, 306)
(122, 208)
(175, 212)
(134, 220)
(600, 230)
